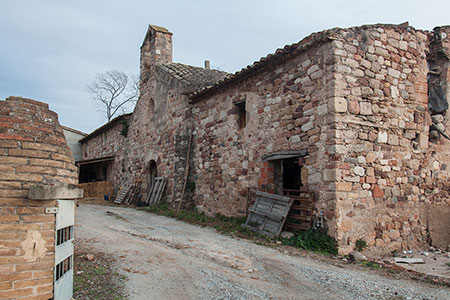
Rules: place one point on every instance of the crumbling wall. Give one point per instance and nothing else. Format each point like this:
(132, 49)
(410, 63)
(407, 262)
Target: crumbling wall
(286, 107)
(32, 150)
(386, 170)
(439, 210)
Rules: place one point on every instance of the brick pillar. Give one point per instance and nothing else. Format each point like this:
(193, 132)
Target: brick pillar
(33, 150)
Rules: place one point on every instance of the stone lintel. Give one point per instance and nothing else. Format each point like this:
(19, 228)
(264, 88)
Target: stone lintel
(58, 191)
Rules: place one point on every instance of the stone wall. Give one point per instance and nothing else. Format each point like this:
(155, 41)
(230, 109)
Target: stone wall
(286, 108)
(158, 132)
(108, 142)
(353, 101)
(32, 150)
(388, 174)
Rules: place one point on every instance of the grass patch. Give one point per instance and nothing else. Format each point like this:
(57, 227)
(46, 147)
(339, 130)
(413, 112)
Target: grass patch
(223, 224)
(370, 264)
(315, 240)
(96, 279)
(360, 245)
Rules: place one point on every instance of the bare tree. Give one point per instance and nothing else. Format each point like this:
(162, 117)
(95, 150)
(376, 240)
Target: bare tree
(114, 91)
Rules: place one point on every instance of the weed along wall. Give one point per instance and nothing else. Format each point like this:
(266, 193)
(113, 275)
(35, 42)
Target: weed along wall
(33, 151)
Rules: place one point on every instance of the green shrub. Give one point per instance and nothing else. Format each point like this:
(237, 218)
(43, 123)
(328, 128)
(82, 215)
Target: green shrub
(315, 240)
(360, 245)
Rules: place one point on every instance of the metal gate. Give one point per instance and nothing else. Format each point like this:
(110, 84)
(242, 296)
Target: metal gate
(64, 245)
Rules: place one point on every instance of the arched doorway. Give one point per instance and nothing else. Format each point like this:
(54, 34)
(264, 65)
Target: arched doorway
(151, 175)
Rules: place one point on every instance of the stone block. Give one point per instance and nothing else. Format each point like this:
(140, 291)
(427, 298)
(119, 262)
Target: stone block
(329, 175)
(353, 107)
(377, 192)
(359, 171)
(344, 186)
(346, 225)
(337, 105)
(365, 108)
(56, 191)
(382, 137)
(308, 126)
(393, 140)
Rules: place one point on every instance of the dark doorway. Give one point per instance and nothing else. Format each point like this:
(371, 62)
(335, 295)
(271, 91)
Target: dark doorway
(152, 174)
(286, 175)
(291, 174)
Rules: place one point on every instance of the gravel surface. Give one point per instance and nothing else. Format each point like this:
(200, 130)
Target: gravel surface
(167, 259)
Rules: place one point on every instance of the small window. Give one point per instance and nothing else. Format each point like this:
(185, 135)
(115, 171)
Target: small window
(242, 114)
(151, 106)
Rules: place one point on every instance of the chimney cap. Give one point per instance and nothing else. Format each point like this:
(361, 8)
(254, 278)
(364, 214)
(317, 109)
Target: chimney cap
(159, 28)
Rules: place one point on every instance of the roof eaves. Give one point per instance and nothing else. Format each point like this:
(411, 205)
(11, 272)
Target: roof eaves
(104, 127)
(74, 130)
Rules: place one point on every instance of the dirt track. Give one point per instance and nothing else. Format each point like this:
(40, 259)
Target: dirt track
(168, 259)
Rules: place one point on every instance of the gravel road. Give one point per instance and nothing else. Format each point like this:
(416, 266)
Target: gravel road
(168, 259)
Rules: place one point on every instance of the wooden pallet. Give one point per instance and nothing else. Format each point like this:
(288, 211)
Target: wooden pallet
(268, 214)
(129, 197)
(122, 194)
(300, 216)
(157, 191)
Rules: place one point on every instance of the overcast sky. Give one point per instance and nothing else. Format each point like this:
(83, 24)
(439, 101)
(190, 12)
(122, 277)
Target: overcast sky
(50, 50)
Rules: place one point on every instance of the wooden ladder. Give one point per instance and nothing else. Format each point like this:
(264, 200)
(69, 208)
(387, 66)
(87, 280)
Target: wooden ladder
(121, 195)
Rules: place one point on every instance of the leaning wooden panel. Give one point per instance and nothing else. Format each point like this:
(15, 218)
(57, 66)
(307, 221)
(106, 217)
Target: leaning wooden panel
(157, 190)
(268, 214)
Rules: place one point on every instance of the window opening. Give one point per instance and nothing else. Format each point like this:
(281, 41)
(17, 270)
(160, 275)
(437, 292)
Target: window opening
(242, 114)
(151, 106)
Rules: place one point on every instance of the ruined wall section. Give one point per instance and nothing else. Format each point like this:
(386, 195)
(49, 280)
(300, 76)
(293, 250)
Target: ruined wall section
(438, 184)
(287, 109)
(385, 165)
(32, 150)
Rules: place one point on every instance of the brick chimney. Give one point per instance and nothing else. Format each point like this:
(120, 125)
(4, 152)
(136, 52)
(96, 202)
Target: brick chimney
(156, 49)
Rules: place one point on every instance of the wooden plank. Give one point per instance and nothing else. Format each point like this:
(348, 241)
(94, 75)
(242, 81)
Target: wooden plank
(273, 196)
(121, 195)
(157, 190)
(400, 260)
(268, 213)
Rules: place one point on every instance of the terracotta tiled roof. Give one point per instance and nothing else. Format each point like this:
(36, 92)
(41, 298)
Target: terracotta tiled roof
(194, 77)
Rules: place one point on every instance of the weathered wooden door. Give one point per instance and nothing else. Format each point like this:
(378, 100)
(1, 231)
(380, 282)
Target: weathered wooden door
(64, 246)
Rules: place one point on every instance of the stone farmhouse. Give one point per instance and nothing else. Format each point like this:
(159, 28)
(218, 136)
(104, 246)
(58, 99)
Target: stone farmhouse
(357, 117)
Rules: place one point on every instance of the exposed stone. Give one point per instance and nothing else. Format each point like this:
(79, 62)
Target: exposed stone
(356, 256)
(337, 105)
(377, 192)
(382, 137)
(359, 171)
(365, 108)
(353, 107)
(286, 234)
